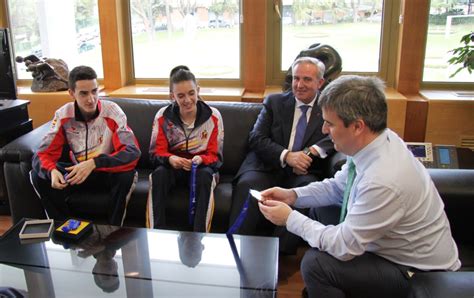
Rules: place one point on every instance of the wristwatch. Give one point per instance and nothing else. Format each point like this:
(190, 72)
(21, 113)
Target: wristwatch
(307, 152)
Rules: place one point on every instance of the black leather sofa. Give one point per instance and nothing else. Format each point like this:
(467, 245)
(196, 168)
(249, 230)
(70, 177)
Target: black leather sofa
(456, 188)
(238, 121)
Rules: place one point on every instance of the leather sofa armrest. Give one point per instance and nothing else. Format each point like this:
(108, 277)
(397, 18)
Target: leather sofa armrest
(456, 188)
(334, 163)
(23, 148)
(453, 182)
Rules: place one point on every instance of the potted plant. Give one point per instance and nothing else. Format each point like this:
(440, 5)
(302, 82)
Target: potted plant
(464, 55)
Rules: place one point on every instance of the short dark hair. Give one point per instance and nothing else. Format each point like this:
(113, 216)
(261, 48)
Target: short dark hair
(179, 74)
(80, 73)
(354, 97)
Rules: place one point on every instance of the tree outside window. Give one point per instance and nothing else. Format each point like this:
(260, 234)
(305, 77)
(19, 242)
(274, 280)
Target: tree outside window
(449, 21)
(203, 35)
(67, 30)
(353, 28)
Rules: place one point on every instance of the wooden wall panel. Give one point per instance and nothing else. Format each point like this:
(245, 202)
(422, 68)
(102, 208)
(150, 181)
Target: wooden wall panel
(3, 14)
(449, 121)
(415, 121)
(397, 104)
(254, 45)
(396, 116)
(449, 118)
(43, 104)
(111, 16)
(412, 41)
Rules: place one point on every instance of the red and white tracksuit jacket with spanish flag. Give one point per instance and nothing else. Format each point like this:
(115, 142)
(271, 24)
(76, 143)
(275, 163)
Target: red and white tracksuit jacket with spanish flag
(106, 138)
(169, 137)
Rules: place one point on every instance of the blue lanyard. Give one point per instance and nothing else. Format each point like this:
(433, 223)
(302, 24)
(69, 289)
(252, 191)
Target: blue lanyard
(238, 261)
(192, 193)
(238, 222)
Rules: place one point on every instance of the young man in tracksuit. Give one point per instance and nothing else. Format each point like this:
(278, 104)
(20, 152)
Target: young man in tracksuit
(89, 148)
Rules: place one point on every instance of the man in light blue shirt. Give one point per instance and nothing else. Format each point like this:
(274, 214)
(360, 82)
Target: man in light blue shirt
(395, 222)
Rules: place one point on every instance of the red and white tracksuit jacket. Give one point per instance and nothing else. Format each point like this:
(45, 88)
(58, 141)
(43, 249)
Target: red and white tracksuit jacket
(169, 137)
(106, 138)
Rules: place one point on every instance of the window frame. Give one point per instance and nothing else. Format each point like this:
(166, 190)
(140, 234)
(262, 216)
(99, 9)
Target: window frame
(5, 23)
(3, 14)
(205, 82)
(114, 18)
(116, 38)
(387, 51)
(439, 85)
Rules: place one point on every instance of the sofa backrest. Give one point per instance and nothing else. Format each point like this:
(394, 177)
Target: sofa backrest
(456, 188)
(238, 118)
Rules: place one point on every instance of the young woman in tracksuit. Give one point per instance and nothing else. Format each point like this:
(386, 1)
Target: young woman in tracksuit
(186, 132)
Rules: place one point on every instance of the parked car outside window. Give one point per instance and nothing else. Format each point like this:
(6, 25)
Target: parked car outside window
(219, 24)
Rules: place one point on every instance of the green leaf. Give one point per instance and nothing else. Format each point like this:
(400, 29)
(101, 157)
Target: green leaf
(463, 54)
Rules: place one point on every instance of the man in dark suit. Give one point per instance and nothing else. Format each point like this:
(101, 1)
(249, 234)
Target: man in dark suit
(286, 144)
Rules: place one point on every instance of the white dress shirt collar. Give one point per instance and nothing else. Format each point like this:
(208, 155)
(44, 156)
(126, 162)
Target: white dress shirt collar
(300, 103)
(365, 156)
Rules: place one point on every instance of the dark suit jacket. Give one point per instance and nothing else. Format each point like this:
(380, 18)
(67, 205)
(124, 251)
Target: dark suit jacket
(271, 135)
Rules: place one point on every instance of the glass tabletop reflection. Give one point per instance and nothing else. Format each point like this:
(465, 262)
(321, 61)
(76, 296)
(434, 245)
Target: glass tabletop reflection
(138, 261)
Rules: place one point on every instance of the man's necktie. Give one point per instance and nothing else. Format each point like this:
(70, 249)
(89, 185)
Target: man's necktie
(351, 174)
(300, 129)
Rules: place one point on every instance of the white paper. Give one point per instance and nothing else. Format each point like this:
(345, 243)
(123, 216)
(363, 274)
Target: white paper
(256, 194)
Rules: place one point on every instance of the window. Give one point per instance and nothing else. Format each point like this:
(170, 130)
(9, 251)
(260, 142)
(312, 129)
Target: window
(67, 30)
(448, 22)
(204, 35)
(353, 28)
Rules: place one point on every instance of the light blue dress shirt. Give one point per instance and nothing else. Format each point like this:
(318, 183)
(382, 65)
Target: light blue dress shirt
(394, 210)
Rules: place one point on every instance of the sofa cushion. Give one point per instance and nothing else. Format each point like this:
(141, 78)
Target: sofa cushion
(238, 121)
(442, 284)
(466, 256)
(140, 114)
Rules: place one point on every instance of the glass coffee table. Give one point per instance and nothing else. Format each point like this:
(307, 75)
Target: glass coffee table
(138, 262)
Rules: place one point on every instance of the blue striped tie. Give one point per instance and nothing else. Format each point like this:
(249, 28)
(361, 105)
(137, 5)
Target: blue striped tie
(300, 129)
